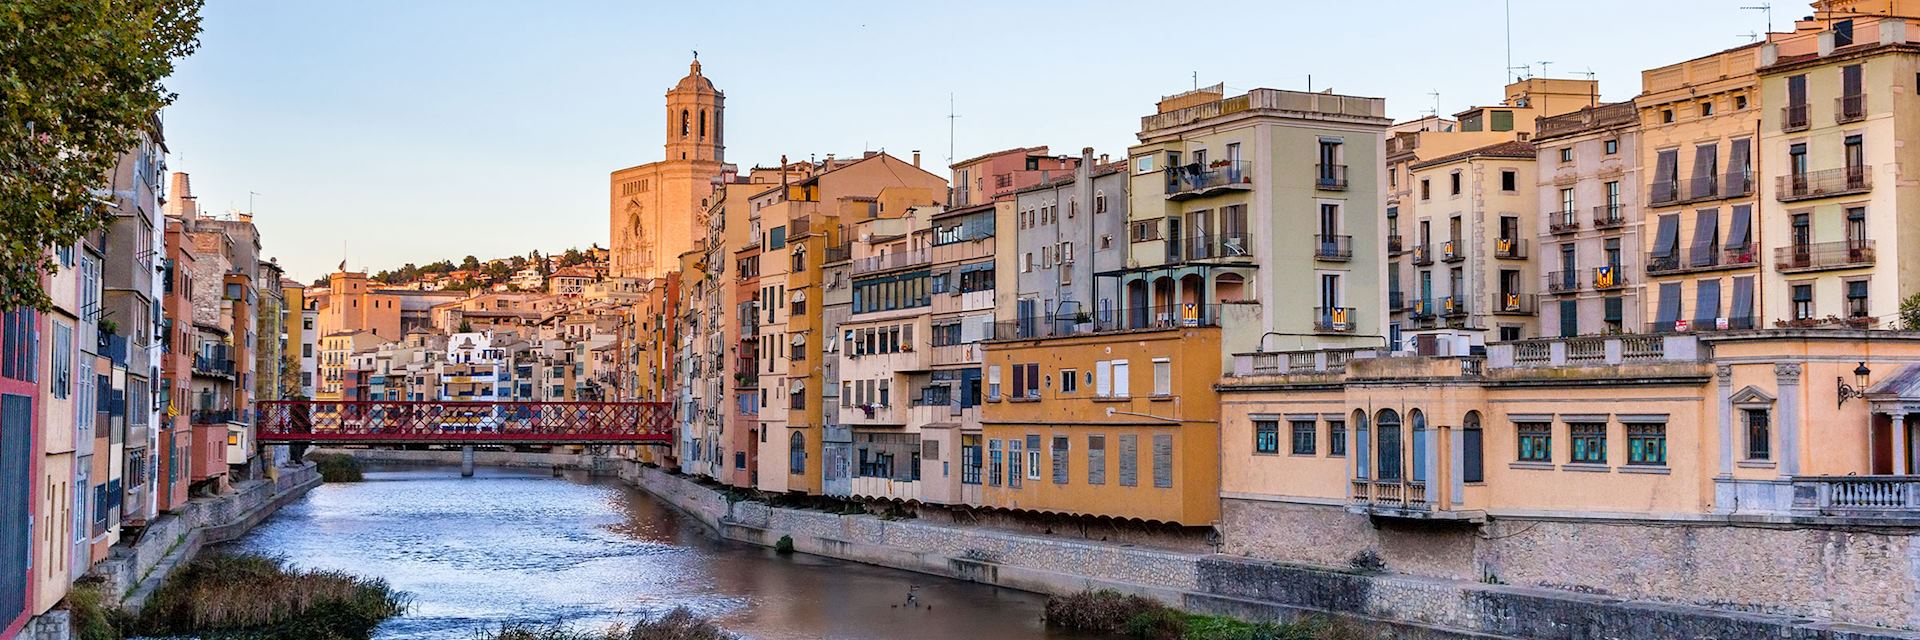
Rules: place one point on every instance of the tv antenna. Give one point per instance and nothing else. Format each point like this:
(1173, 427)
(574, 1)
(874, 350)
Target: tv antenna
(1435, 94)
(1526, 68)
(951, 116)
(1764, 7)
(1543, 67)
(1750, 36)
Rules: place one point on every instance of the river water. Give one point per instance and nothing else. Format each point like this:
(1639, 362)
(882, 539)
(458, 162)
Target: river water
(521, 545)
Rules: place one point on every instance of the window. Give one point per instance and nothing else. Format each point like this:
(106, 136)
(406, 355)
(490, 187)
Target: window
(1759, 428)
(1336, 438)
(1266, 436)
(1033, 457)
(1096, 459)
(1453, 183)
(1647, 444)
(1099, 202)
(1129, 460)
(797, 454)
(1803, 301)
(1566, 154)
(993, 463)
(1304, 434)
(1472, 450)
(1739, 102)
(1856, 298)
(1014, 455)
(1706, 109)
(1163, 461)
(1426, 189)
(60, 365)
(1069, 380)
(1120, 379)
(1162, 377)
(1059, 459)
(1587, 442)
(1535, 442)
(1611, 147)
(1666, 116)
(1387, 447)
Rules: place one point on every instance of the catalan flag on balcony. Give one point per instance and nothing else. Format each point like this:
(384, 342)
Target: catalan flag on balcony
(1603, 277)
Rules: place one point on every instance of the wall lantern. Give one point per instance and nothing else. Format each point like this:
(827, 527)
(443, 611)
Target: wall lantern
(1859, 387)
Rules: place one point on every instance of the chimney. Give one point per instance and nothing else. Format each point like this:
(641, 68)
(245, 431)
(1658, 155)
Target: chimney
(1103, 159)
(916, 158)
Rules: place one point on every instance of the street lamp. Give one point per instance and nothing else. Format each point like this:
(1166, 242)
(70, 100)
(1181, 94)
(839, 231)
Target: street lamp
(1859, 387)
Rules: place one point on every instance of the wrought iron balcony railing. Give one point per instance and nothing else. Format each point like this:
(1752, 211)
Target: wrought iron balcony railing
(1824, 255)
(1793, 117)
(1330, 177)
(1334, 319)
(1510, 248)
(1608, 216)
(1338, 248)
(1567, 221)
(1849, 108)
(1821, 184)
(1194, 181)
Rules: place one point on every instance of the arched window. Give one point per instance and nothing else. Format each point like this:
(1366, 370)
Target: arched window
(1472, 449)
(797, 453)
(703, 124)
(685, 124)
(1388, 439)
(1419, 421)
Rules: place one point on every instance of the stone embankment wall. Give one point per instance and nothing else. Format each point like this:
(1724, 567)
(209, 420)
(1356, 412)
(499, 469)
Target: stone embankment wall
(1857, 576)
(1415, 607)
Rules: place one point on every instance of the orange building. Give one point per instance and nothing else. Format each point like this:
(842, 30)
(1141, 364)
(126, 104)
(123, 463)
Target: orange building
(652, 207)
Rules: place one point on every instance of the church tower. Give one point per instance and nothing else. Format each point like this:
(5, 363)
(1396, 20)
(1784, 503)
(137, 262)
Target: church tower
(652, 207)
(694, 122)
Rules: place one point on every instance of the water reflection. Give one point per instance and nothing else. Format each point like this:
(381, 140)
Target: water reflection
(521, 545)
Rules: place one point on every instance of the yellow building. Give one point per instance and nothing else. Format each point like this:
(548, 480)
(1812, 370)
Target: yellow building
(652, 207)
(1698, 123)
(1120, 425)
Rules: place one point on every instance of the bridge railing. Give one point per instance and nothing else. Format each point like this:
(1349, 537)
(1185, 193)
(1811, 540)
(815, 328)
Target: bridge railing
(374, 422)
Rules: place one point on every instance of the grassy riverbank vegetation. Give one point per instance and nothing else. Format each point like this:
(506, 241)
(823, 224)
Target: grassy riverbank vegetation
(336, 467)
(1116, 615)
(678, 624)
(249, 597)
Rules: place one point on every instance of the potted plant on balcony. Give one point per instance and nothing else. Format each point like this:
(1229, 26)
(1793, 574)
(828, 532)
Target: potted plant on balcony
(1218, 164)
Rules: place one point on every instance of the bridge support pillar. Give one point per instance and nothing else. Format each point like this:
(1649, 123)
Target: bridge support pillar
(466, 461)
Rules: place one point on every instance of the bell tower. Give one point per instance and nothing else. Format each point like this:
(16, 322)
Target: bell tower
(694, 122)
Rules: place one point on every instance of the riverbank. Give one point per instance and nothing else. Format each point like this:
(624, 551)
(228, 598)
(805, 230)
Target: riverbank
(132, 571)
(1415, 608)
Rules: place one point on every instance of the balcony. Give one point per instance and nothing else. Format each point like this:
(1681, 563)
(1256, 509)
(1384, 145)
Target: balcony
(1135, 319)
(1330, 177)
(1608, 278)
(1857, 496)
(1396, 300)
(1455, 306)
(1333, 248)
(1193, 182)
(1732, 184)
(214, 416)
(1594, 351)
(1826, 183)
(1515, 304)
(1823, 255)
(1793, 117)
(1391, 494)
(890, 261)
(1563, 282)
(1421, 308)
(1211, 246)
(1566, 221)
(1510, 248)
(1453, 251)
(838, 253)
(1609, 216)
(1701, 259)
(1849, 108)
(1395, 245)
(1335, 319)
(1423, 255)
(207, 365)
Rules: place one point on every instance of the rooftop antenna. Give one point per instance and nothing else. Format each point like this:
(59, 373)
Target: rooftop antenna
(1750, 36)
(1543, 68)
(250, 196)
(1196, 81)
(951, 116)
(1593, 88)
(1509, 18)
(1526, 68)
(1764, 7)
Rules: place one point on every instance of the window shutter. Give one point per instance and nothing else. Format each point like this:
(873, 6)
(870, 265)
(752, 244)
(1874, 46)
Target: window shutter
(1163, 461)
(1096, 459)
(1162, 377)
(1120, 387)
(1129, 460)
(1103, 378)
(1059, 459)
(993, 382)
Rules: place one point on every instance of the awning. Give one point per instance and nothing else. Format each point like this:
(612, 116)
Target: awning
(1669, 304)
(1706, 236)
(1667, 237)
(1707, 304)
(1743, 300)
(1741, 230)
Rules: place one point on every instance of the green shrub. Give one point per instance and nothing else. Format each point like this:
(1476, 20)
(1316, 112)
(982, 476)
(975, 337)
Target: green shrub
(337, 467)
(95, 616)
(1112, 614)
(1158, 623)
(222, 596)
(678, 624)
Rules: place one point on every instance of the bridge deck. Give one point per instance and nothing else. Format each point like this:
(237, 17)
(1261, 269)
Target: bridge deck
(437, 422)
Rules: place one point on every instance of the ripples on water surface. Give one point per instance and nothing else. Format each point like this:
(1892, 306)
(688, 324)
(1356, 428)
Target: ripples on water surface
(520, 545)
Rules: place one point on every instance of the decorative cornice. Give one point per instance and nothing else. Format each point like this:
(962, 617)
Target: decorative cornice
(1787, 372)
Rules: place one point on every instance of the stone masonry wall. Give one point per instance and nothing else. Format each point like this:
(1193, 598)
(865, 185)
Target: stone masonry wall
(1861, 577)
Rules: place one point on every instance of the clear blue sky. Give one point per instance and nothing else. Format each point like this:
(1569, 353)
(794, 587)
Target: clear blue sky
(419, 130)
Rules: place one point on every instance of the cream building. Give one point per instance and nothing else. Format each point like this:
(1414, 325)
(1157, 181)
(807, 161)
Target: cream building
(652, 207)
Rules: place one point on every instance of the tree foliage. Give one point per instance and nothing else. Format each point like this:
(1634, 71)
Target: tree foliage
(1910, 313)
(80, 82)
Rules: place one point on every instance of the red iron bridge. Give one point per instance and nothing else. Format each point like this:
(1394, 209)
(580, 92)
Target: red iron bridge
(464, 423)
